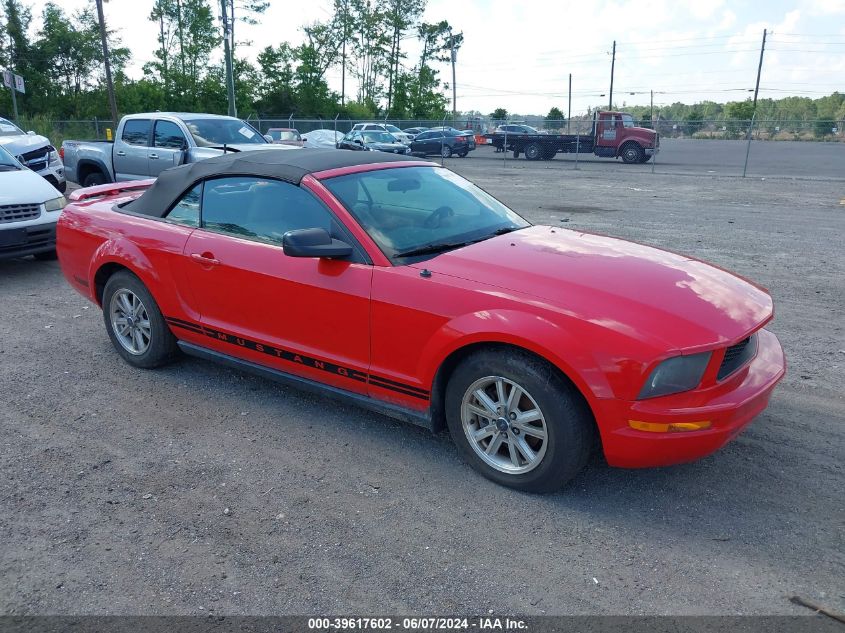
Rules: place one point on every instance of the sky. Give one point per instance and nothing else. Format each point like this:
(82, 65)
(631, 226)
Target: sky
(518, 55)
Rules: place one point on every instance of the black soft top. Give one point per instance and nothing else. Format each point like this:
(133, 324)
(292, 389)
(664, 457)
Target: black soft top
(289, 165)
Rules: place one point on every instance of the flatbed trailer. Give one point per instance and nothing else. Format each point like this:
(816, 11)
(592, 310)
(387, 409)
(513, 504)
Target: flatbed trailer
(612, 135)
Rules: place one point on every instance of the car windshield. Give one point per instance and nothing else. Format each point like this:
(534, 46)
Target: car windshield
(412, 212)
(6, 161)
(218, 132)
(392, 128)
(7, 128)
(627, 120)
(285, 135)
(378, 137)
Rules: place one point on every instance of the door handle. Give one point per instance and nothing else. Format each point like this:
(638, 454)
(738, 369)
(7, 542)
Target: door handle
(121, 153)
(153, 156)
(205, 258)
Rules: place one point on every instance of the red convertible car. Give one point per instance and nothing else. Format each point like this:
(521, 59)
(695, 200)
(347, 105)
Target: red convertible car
(396, 284)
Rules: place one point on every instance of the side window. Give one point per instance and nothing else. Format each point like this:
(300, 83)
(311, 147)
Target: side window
(168, 135)
(187, 210)
(260, 209)
(136, 131)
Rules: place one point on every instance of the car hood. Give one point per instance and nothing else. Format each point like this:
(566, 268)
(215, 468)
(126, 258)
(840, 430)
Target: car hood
(23, 143)
(25, 187)
(642, 291)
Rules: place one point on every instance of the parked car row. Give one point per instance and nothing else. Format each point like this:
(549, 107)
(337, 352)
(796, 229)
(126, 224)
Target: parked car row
(438, 141)
(33, 151)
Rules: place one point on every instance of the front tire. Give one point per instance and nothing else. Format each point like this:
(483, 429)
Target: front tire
(446, 151)
(517, 421)
(135, 324)
(632, 153)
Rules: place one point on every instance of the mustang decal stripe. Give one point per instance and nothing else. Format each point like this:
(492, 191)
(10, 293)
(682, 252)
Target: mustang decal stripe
(402, 385)
(376, 382)
(301, 359)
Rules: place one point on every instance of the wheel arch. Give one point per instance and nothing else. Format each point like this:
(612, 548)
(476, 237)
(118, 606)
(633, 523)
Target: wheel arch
(113, 256)
(448, 365)
(87, 166)
(630, 141)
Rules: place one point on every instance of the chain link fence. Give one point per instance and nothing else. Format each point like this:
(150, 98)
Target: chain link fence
(793, 148)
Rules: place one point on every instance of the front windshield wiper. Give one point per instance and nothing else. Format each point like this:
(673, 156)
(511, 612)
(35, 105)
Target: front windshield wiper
(4, 167)
(427, 249)
(439, 247)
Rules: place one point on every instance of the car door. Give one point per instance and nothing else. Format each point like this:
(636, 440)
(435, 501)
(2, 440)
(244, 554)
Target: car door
(169, 145)
(305, 316)
(131, 149)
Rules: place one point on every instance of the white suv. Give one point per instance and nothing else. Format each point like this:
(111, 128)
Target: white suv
(401, 136)
(34, 151)
(29, 209)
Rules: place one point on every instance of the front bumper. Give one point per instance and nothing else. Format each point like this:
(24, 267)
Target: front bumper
(29, 240)
(54, 173)
(729, 407)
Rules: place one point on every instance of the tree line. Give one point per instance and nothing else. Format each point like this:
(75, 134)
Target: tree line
(60, 56)
(61, 59)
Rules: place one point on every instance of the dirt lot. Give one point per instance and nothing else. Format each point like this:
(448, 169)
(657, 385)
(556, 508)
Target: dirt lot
(114, 481)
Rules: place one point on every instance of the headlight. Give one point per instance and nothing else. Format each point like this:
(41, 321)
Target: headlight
(56, 204)
(674, 375)
(54, 156)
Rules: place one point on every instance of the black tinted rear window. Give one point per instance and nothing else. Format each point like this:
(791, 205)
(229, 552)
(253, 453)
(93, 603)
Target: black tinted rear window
(136, 131)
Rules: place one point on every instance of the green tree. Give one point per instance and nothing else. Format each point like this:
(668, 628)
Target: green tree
(400, 16)
(555, 119)
(187, 38)
(499, 114)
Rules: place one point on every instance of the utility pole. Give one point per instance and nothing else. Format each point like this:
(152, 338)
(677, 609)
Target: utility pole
(612, 68)
(651, 108)
(454, 58)
(569, 111)
(227, 51)
(759, 69)
(343, 71)
(754, 109)
(109, 82)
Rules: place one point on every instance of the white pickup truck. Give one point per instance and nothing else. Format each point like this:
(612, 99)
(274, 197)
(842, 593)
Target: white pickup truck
(146, 144)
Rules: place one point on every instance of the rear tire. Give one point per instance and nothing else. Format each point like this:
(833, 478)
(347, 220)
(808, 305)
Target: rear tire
(535, 441)
(93, 179)
(533, 151)
(135, 324)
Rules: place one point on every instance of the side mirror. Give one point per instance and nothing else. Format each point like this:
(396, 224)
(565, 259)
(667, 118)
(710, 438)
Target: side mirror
(314, 243)
(359, 141)
(268, 138)
(31, 133)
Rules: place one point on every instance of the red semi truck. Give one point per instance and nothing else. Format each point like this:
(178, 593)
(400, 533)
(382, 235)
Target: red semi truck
(612, 135)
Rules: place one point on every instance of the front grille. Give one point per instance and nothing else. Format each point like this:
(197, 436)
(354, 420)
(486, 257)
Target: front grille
(19, 212)
(37, 159)
(737, 355)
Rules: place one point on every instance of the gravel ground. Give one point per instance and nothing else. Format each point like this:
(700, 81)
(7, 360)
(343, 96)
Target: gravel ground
(115, 482)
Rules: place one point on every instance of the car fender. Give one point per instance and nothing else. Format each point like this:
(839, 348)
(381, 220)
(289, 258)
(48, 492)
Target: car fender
(123, 252)
(96, 163)
(532, 332)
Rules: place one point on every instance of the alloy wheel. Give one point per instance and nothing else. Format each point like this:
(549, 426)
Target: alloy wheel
(130, 321)
(504, 425)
